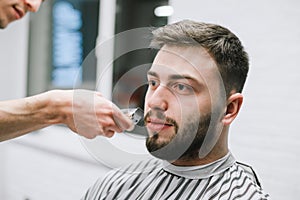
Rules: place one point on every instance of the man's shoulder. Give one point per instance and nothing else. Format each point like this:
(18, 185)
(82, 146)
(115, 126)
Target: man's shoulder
(249, 171)
(241, 182)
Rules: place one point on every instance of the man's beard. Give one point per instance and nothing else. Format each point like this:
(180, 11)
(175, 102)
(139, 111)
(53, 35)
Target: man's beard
(185, 143)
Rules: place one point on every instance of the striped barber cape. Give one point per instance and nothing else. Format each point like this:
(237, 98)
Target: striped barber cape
(224, 179)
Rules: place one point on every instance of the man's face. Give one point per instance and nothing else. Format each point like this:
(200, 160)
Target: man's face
(11, 10)
(182, 103)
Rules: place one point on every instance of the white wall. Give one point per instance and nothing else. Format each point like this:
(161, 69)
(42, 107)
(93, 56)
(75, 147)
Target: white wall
(13, 57)
(48, 164)
(266, 133)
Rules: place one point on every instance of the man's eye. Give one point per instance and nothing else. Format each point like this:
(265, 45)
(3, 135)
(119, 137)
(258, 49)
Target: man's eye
(181, 88)
(152, 83)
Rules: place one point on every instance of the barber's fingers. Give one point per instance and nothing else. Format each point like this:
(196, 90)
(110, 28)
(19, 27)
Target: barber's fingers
(110, 124)
(120, 121)
(108, 133)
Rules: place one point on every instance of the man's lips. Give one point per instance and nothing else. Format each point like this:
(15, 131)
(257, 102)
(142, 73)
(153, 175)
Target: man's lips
(157, 125)
(19, 12)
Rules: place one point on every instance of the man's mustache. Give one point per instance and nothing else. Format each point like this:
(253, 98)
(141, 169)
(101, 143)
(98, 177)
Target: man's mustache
(161, 116)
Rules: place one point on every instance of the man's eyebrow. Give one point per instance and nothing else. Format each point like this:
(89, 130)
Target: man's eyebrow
(177, 77)
(151, 73)
(187, 77)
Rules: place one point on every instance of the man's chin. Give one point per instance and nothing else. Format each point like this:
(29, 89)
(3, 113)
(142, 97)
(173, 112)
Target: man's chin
(165, 151)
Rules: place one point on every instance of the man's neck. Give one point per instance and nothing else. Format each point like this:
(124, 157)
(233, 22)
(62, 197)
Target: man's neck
(195, 160)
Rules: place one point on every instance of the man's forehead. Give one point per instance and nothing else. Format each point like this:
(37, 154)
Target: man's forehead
(185, 50)
(184, 58)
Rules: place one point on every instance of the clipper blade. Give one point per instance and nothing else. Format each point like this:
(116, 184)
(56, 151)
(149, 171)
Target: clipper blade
(137, 117)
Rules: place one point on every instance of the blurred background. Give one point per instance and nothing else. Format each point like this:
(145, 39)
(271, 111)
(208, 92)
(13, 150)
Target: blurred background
(55, 48)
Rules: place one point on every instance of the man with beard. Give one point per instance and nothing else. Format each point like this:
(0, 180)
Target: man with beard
(194, 94)
(85, 112)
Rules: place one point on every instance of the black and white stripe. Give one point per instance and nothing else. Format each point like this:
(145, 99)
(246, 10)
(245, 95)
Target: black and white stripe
(236, 182)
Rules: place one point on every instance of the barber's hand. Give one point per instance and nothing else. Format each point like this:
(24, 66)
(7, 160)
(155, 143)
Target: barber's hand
(89, 114)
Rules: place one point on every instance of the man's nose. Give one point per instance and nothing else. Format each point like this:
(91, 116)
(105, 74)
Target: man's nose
(158, 99)
(32, 5)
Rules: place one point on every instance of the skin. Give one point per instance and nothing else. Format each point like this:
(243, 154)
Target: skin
(12, 10)
(188, 99)
(84, 112)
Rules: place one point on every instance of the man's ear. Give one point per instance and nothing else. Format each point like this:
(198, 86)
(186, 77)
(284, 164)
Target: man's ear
(234, 104)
